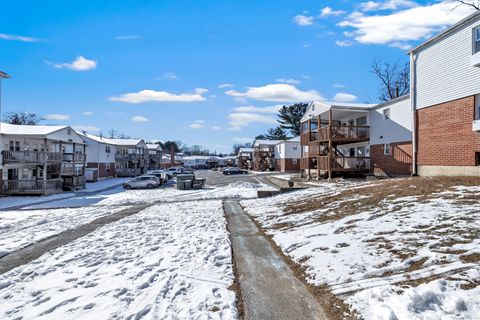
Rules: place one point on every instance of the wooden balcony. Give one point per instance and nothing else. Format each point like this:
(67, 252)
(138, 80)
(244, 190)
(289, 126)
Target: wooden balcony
(32, 187)
(129, 157)
(338, 134)
(30, 156)
(74, 157)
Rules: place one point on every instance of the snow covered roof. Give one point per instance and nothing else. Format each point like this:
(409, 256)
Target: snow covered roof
(116, 142)
(154, 146)
(245, 150)
(96, 138)
(14, 129)
(266, 142)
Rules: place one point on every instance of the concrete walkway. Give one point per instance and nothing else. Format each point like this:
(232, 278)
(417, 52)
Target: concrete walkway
(269, 288)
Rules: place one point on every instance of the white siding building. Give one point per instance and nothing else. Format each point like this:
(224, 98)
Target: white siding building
(288, 154)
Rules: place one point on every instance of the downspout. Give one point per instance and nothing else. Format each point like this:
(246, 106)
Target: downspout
(413, 98)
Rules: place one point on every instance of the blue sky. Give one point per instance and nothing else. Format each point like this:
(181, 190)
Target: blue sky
(205, 72)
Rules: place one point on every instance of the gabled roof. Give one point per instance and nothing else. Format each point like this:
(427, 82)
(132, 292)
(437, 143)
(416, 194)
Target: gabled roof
(459, 25)
(14, 129)
(393, 101)
(115, 142)
(323, 106)
(266, 142)
(154, 146)
(245, 150)
(96, 138)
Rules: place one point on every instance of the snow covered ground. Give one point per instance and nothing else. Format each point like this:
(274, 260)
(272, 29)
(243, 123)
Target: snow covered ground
(403, 257)
(170, 261)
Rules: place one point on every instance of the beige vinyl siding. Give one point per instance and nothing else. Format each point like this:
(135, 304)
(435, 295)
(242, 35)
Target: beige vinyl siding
(443, 69)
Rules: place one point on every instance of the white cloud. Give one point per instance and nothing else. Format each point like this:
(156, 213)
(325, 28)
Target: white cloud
(242, 140)
(79, 64)
(303, 20)
(387, 5)
(398, 28)
(87, 113)
(216, 128)
(344, 97)
(139, 119)
(158, 96)
(271, 109)
(60, 117)
(198, 124)
(169, 76)
(244, 119)
(279, 92)
(12, 37)
(234, 128)
(344, 43)
(288, 81)
(338, 85)
(201, 90)
(225, 85)
(81, 128)
(128, 37)
(328, 12)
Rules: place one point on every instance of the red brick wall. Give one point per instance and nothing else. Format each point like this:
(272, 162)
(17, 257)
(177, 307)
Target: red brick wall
(445, 136)
(102, 172)
(398, 163)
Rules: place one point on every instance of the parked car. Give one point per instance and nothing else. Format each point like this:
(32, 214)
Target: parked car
(173, 171)
(162, 175)
(230, 171)
(142, 182)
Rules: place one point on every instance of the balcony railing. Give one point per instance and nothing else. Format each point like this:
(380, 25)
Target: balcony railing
(30, 156)
(344, 163)
(129, 157)
(74, 157)
(338, 133)
(32, 186)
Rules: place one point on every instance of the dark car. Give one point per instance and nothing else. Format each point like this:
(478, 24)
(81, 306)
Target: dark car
(230, 171)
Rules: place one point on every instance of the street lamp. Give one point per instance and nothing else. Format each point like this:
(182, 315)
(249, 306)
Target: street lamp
(3, 75)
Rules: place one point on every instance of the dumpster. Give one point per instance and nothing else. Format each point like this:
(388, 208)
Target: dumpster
(185, 181)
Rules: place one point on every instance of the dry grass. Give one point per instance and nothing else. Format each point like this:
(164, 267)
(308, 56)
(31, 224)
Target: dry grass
(371, 196)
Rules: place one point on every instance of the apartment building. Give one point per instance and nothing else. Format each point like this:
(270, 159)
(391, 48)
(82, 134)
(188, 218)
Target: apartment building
(445, 89)
(288, 155)
(41, 160)
(155, 153)
(100, 157)
(132, 157)
(245, 158)
(264, 155)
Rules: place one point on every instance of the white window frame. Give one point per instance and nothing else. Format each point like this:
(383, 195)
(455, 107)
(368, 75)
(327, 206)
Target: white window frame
(387, 149)
(386, 114)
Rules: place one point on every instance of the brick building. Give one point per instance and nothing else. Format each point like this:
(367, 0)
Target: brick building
(287, 155)
(445, 86)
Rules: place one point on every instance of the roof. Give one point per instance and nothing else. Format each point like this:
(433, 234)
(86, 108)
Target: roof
(245, 150)
(267, 142)
(393, 101)
(14, 129)
(153, 146)
(325, 106)
(116, 142)
(459, 25)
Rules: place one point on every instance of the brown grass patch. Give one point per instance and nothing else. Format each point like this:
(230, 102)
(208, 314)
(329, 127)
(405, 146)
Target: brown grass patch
(370, 196)
(471, 258)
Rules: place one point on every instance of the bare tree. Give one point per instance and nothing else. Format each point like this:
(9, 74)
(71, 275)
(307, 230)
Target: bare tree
(22, 118)
(112, 133)
(473, 4)
(394, 79)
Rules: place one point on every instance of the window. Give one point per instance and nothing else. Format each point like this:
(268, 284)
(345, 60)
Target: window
(107, 149)
(476, 40)
(295, 147)
(14, 146)
(387, 149)
(69, 131)
(386, 114)
(362, 121)
(107, 166)
(294, 161)
(361, 152)
(477, 158)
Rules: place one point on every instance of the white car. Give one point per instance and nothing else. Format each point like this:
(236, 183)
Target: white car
(173, 171)
(142, 182)
(161, 174)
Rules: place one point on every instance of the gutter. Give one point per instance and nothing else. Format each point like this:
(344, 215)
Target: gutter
(413, 97)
